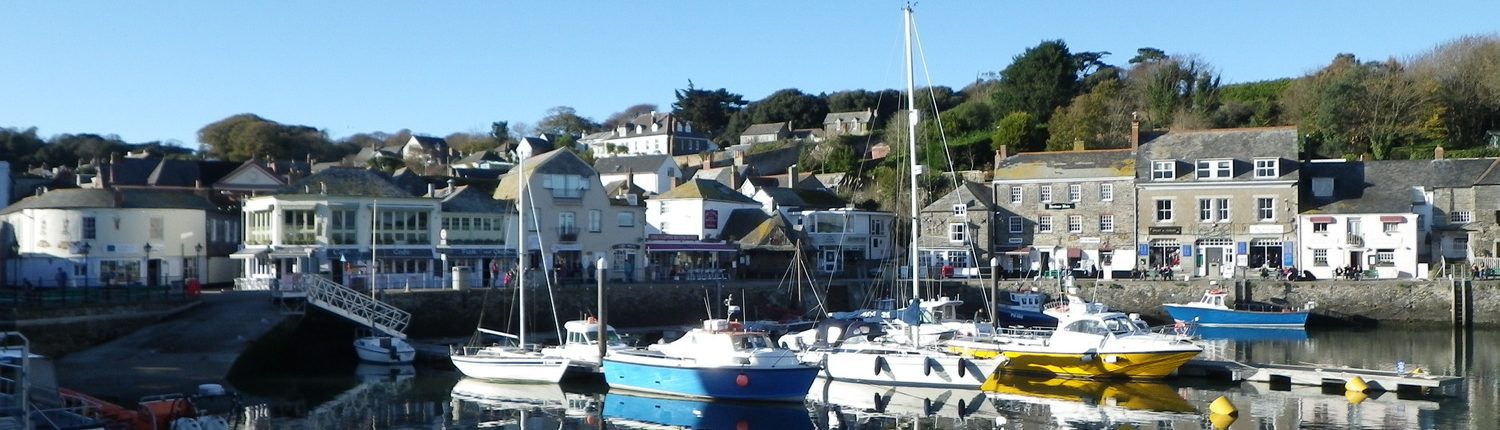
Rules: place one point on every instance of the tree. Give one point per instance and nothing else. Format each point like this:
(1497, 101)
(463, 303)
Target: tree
(1466, 73)
(802, 110)
(1096, 119)
(708, 111)
(564, 121)
(1173, 92)
(1043, 78)
(1147, 55)
(245, 136)
(1017, 131)
(624, 116)
(17, 146)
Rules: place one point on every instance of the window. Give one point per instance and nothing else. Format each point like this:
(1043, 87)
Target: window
(1163, 211)
(402, 227)
(565, 186)
(956, 232)
(596, 220)
(1015, 224)
(625, 219)
(1214, 169)
(1044, 224)
(1163, 170)
(1223, 206)
(1106, 192)
(960, 210)
(877, 227)
(1015, 195)
(1320, 227)
(1265, 208)
(1322, 188)
(1075, 223)
(1205, 210)
(1460, 247)
(1046, 193)
(1320, 257)
(1107, 223)
(1459, 217)
(1390, 227)
(1075, 192)
(1265, 168)
(1385, 257)
(157, 225)
(342, 230)
(88, 228)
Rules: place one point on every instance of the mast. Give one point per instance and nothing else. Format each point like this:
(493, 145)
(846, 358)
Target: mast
(374, 238)
(911, 150)
(521, 244)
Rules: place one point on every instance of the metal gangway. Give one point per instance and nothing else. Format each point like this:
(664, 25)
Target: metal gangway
(354, 306)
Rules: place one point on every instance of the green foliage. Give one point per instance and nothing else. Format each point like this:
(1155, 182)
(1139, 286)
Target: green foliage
(1017, 130)
(620, 118)
(1039, 80)
(1351, 107)
(1181, 92)
(803, 110)
(708, 111)
(246, 136)
(1095, 119)
(564, 121)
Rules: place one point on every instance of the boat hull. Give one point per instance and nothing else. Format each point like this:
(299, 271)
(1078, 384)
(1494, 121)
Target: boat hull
(673, 377)
(508, 368)
(912, 370)
(1103, 365)
(1011, 316)
(384, 350)
(1209, 317)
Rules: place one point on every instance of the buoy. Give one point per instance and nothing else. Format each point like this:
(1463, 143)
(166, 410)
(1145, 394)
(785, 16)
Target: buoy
(1355, 397)
(742, 380)
(1221, 422)
(1222, 406)
(1357, 384)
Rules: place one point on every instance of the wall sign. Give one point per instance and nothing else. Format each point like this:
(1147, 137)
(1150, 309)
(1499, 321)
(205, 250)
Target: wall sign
(1057, 206)
(1163, 230)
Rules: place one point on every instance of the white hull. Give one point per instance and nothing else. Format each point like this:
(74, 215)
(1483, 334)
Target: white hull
(505, 364)
(902, 401)
(384, 350)
(902, 367)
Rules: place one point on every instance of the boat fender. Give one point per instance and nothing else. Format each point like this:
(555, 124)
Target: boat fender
(1312, 305)
(186, 423)
(927, 367)
(879, 363)
(963, 411)
(1089, 356)
(213, 422)
(927, 407)
(742, 380)
(962, 365)
(880, 402)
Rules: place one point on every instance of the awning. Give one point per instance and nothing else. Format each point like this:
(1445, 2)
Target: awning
(246, 254)
(404, 253)
(689, 247)
(491, 252)
(1075, 253)
(1026, 250)
(1321, 219)
(290, 252)
(1398, 219)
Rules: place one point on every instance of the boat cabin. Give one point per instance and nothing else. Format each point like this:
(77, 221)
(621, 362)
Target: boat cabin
(587, 332)
(1214, 298)
(1028, 300)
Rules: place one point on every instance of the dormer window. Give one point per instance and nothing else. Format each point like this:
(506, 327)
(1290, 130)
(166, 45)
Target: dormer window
(1266, 168)
(1215, 169)
(960, 210)
(1163, 170)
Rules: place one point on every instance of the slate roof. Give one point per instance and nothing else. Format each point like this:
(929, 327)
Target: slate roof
(969, 193)
(619, 188)
(769, 128)
(538, 145)
(88, 198)
(479, 173)
(475, 157)
(1384, 186)
(473, 198)
(184, 173)
(1067, 164)
(640, 164)
(343, 181)
(862, 116)
(805, 198)
(754, 230)
(705, 189)
(129, 171)
(431, 143)
(1240, 144)
(561, 162)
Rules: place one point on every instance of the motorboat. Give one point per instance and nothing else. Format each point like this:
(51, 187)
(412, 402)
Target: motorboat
(582, 345)
(1211, 310)
(858, 351)
(897, 401)
(1073, 305)
(1093, 345)
(914, 324)
(717, 361)
(384, 349)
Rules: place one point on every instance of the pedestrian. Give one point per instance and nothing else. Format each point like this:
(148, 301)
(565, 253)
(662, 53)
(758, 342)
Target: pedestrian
(62, 278)
(591, 271)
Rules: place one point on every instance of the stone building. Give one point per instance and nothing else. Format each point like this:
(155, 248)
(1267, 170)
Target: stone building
(957, 230)
(1210, 201)
(1068, 210)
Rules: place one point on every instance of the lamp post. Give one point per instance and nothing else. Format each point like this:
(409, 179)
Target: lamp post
(197, 259)
(994, 288)
(602, 266)
(85, 251)
(146, 271)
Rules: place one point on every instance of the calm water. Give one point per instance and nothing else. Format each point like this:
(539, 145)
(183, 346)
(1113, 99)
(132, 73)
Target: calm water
(344, 396)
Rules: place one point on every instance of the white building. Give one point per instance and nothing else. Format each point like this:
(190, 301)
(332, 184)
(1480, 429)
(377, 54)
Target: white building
(570, 219)
(655, 174)
(847, 238)
(96, 237)
(649, 134)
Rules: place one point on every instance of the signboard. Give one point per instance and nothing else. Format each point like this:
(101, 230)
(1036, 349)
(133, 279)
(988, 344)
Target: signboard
(1143, 250)
(670, 237)
(1056, 206)
(1163, 230)
(1088, 240)
(1013, 240)
(1241, 248)
(711, 219)
(1286, 254)
(626, 246)
(1187, 250)
(1266, 228)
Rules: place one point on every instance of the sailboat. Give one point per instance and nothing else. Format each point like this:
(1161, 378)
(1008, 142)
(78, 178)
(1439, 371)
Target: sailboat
(374, 346)
(907, 359)
(518, 362)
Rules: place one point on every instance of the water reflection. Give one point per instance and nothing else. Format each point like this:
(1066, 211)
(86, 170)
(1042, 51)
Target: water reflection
(641, 411)
(1251, 334)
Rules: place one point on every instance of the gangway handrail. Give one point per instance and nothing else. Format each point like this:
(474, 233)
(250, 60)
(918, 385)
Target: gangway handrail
(355, 306)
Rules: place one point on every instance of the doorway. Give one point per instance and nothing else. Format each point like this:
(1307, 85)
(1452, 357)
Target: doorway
(153, 272)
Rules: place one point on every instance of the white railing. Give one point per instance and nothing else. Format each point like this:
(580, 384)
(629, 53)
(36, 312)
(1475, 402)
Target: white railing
(355, 306)
(254, 284)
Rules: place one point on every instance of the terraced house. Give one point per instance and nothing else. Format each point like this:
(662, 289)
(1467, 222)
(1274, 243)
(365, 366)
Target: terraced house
(1209, 202)
(1065, 211)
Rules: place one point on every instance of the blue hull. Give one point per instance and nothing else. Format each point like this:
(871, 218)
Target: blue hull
(1012, 317)
(788, 384)
(704, 414)
(1232, 318)
(1252, 334)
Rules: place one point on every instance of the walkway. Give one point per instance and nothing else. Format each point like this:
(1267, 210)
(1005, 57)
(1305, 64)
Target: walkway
(194, 347)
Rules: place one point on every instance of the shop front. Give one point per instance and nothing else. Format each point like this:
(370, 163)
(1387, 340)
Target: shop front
(673, 257)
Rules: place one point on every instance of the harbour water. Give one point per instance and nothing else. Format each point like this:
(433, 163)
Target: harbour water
(343, 395)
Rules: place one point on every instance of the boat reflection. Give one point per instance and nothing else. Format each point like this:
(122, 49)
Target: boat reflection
(1252, 334)
(372, 372)
(1075, 401)
(644, 411)
(526, 406)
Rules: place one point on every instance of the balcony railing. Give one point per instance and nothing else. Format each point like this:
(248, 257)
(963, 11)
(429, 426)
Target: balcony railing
(1354, 239)
(567, 233)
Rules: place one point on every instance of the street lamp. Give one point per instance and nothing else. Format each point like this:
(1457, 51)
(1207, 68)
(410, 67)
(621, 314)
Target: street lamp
(146, 271)
(85, 251)
(197, 258)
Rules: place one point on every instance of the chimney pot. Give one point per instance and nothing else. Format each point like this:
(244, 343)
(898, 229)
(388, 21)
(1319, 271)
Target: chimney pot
(1437, 153)
(1135, 132)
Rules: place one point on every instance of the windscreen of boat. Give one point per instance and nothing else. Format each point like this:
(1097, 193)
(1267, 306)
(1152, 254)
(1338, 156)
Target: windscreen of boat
(1087, 326)
(1120, 325)
(746, 342)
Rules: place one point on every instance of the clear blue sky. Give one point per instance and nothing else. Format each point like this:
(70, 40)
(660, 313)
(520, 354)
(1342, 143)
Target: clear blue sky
(160, 70)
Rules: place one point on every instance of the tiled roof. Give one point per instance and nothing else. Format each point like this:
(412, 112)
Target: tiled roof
(862, 116)
(473, 198)
(84, 198)
(1384, 186)
(754, 230)
(805, 198)
(1239, 144)
(769, 128)
(562, 162)
(970, 193)
(706, 190)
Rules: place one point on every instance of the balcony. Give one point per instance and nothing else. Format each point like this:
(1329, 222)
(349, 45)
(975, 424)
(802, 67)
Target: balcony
(1354, 239)
(567, 233)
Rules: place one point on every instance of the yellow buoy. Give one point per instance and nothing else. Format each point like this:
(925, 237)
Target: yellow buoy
(1221, 422)
(1357, 384)
(1355, 397)
(1222, 406)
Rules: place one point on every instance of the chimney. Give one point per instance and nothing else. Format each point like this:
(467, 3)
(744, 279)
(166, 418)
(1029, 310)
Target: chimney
(1135, 132)
(791, 174)
(430, 190)
(1437, 153)
(119, 198)
(706, 161)
(739, 158)
(629, 179)
(114, 159)
(1001, 154)
(323, 188)
(1078, 144)
(734, 177)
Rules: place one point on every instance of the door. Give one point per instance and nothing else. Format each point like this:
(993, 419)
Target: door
(1214, 257)
(830, 260)
(153, 272)
(1355, 258)
(1046, 262)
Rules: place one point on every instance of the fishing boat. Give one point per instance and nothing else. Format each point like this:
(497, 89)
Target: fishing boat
(1024, 310)
(717, 361)
(1212, 311)
(582, 345)
(516, 362)
(1094, 345)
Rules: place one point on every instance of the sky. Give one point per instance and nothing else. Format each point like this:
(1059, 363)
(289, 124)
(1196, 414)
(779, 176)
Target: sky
(160, 70)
